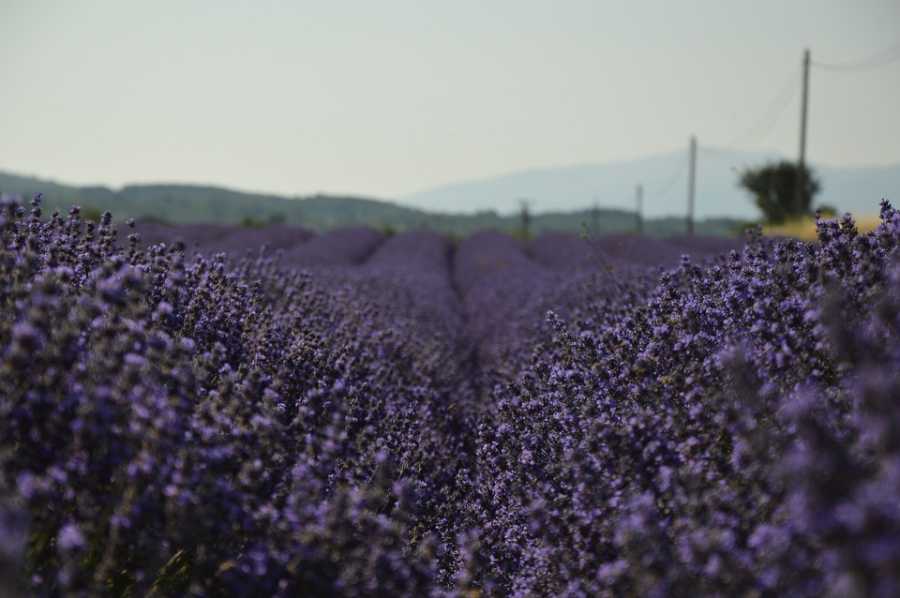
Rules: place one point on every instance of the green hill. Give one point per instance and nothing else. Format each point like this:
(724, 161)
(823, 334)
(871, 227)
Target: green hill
(200, 203)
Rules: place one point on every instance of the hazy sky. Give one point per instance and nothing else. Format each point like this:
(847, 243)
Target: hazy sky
(388, 97)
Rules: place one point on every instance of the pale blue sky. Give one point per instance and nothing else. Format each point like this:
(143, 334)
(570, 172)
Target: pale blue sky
(389, 97)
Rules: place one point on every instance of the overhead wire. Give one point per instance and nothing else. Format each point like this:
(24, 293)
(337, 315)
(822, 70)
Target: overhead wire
(761, 128)
(666, 185)
(883, 58)
(651, 192)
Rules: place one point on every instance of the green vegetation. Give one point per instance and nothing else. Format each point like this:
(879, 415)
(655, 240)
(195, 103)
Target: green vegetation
(248, 222)
(782, 190)
(185, 204)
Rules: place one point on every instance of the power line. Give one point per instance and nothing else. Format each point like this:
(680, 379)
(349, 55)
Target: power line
(879, 59)
(773, 113)
(669, 182)
(659, 191)
(760, 129)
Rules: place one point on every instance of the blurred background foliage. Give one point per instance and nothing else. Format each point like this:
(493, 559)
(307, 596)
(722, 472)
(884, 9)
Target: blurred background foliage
(193, 204)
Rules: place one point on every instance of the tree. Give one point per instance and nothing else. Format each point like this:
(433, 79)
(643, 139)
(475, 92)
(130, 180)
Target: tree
(775, 189)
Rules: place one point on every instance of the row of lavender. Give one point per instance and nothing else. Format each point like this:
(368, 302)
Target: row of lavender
(178, 426)
(730, 428)
(398, 416)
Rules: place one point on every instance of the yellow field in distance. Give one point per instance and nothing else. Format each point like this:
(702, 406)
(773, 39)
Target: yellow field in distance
(805, 228)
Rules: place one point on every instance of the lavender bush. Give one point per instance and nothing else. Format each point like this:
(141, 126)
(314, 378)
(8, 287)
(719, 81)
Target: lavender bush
(273, 238)
(361, 415)
(193, 236)
(344, 247)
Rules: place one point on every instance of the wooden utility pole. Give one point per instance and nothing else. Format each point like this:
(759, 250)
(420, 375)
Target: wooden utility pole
(692, 169)
(804, 105)
(525, 218)
(639, 208)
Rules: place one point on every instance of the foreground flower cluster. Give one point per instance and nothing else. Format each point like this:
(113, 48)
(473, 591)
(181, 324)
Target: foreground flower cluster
(361, 415)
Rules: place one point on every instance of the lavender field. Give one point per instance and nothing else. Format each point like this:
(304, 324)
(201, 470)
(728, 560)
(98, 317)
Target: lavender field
(186, 413)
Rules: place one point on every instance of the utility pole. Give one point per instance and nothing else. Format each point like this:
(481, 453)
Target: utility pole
(804, 106)
(525, 217)
(595, 218)
(691, 178)
(639, 208)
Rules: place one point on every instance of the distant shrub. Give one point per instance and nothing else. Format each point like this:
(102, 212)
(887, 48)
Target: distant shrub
(827, 211)
(91, 213)
(155, 219)
(781, 190)
(250, 222)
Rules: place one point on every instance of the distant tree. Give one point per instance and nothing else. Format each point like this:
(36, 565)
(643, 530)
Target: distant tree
(827, 211)
(250, 222)
(277, 218)
(774, 187)
(91, 213)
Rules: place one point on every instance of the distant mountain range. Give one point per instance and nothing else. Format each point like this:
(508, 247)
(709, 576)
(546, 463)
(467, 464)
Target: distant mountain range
(196, 203)
(561, 198)
(664, 177)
